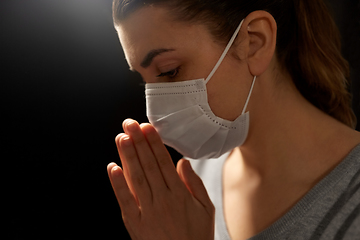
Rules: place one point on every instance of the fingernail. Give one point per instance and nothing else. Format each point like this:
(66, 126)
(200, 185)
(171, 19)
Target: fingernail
(119, 136)
(125, 122)
(131, 125)
(116, 171)
(146, 128)
(125, 141)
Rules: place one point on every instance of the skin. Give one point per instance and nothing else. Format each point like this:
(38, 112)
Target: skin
(291, 144)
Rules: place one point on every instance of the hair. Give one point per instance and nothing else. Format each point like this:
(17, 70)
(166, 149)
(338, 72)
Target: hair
(308, 42)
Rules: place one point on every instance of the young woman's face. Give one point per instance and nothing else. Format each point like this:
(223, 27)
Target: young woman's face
(164, 50)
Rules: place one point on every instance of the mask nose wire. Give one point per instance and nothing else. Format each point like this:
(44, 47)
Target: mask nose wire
(232, 39)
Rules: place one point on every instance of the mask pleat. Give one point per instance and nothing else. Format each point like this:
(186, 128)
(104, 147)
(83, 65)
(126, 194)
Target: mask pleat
(173, 97)
(201, 126)
(175, 124)
(210, 149)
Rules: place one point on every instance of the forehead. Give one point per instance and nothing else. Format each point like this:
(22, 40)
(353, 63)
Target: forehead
(153, 28)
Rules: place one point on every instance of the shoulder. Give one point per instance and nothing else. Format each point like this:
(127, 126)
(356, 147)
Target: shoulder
(338, 210)
(331, 210)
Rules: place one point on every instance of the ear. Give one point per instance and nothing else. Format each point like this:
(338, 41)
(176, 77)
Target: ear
(258, 41)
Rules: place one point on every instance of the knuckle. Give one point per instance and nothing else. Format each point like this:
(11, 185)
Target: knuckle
(130, 155)
(149, 166)
(163, 161)
(125, 202)
(139, 179)
(138, 139)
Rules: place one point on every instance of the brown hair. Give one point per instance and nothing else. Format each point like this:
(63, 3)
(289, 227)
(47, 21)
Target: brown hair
(308, 42)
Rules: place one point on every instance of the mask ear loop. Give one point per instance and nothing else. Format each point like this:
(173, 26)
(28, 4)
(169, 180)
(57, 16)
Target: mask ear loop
(225, 52)
(248, 98)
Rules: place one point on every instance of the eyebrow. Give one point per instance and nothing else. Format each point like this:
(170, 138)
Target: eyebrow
(146, 62)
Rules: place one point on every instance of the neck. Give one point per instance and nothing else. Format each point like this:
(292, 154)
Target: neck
(289, 136)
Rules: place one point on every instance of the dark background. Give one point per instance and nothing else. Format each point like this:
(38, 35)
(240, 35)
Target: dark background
(65, 89)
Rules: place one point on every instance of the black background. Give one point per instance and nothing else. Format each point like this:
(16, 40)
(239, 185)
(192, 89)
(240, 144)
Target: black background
(65, 89)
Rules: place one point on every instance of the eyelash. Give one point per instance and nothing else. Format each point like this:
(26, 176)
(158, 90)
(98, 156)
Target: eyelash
(171, 74)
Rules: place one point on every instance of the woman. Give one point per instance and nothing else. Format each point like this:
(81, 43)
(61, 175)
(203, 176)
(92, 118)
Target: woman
(257, 91)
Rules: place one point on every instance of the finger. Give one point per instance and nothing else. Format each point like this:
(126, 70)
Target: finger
(136, 173)
(194, 183)
(125, 123)
(181, 175)
(163, 157)
(147, 159)
(124, 165)
(109, 167)
(126, 200)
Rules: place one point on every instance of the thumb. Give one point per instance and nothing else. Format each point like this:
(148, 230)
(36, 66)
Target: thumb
(193, 182)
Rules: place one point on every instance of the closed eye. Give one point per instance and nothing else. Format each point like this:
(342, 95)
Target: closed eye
(170, 74)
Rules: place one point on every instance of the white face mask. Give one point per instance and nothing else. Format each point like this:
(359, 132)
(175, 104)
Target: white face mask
(181, 114)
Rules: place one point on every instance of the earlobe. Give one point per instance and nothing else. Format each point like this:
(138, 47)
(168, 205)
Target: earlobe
(261, 32)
